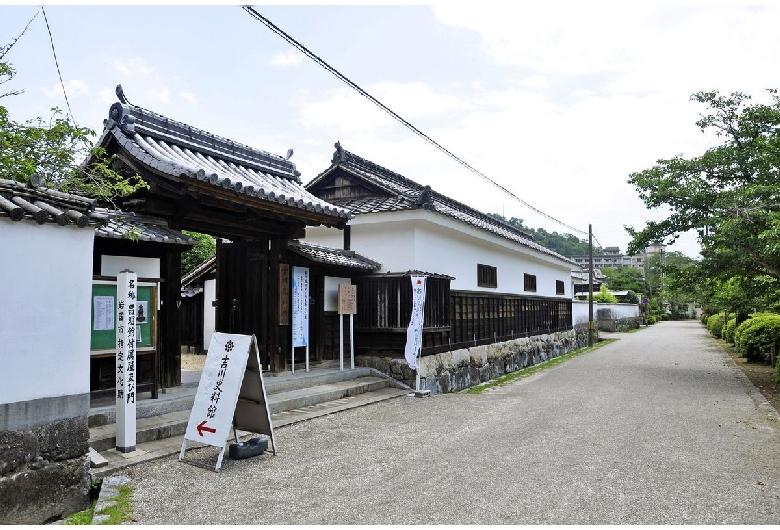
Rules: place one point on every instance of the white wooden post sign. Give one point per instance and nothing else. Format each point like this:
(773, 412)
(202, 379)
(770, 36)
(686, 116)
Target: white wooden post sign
(126, 292)
(231, 392)
(347, 306)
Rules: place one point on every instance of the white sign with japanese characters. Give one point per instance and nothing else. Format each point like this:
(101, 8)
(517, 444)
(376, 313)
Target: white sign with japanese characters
(220, 383)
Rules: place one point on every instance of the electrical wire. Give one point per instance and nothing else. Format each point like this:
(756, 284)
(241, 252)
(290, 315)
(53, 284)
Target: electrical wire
(57, 64)
(257, 16)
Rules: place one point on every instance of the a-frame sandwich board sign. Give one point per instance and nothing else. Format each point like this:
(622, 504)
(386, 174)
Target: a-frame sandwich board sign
(231, 392)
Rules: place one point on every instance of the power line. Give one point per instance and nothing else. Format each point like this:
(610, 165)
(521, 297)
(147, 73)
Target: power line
(56, 62)
(414, 129)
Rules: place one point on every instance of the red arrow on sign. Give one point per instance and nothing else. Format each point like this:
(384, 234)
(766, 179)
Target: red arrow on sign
(202, 427)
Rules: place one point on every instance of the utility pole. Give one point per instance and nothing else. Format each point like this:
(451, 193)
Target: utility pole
(590, 286)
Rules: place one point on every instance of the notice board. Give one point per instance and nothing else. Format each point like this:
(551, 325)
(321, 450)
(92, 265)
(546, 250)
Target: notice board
(103, 316)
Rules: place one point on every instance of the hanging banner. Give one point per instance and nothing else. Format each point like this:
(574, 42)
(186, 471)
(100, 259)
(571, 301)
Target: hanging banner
(415, 331)
(300, 306)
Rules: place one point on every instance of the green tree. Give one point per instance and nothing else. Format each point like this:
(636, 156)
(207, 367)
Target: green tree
(729, 194)
(52, 149)
(604, 297)
(564, 244)
(204, 250)
(624, 279)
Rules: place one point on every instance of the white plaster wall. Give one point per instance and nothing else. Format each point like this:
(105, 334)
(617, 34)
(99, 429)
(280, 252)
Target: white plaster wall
(209, 311)
(143, 267)
(431, 242)
(580, 311)
(45, 297)
(332, 292)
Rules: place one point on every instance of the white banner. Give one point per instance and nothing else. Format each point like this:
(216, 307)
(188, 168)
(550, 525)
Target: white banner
(300, 306)
(414, 333)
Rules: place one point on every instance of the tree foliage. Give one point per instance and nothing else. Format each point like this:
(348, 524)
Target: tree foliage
(729, 194)
(564, 244)
(204, 250)
(53, 149)
(625, 279)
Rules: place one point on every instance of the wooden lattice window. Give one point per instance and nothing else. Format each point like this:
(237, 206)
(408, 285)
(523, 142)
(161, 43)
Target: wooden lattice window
(487, 276)
(559, 287)
(529, 282)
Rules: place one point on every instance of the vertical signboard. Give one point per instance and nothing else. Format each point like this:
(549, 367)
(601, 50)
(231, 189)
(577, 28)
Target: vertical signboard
(300, 312)
(414, 332)
(284, 294)
(127, 290)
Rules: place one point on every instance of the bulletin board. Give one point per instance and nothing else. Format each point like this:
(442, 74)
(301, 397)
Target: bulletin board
(103, 328)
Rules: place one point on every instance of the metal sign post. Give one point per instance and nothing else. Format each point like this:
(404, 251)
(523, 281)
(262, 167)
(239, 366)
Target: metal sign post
(126, 291)
(231, 392)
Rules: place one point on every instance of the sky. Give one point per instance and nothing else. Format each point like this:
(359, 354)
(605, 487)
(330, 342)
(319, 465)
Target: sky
(558, 103)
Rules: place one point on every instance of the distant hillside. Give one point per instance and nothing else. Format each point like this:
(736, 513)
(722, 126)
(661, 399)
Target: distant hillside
(565, 244)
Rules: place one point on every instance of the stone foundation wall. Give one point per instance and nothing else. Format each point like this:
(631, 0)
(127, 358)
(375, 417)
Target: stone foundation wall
(44, 472)
(458, 370)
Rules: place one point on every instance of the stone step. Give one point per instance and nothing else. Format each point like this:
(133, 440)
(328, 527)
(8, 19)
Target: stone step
(169, 424)
(159, 448)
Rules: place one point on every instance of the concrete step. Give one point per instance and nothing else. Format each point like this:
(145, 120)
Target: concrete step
(174, 423)
(159, 448)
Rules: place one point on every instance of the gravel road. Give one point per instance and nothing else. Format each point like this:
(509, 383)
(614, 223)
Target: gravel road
(657, 428)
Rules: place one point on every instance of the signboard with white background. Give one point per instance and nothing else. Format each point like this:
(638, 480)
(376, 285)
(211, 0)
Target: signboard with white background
(230, 360)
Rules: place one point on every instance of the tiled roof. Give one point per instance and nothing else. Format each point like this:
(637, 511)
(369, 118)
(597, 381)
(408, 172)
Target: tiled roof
(129, 225)
(178, 150)
(405, 194)
(44, 205)
(333, 256)
(317, 253)
(208, 266)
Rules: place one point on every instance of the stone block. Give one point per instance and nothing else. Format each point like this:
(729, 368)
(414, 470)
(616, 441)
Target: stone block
(478, 355)
(64, 439)
(17, 448)
(36, 497)
(461, 357)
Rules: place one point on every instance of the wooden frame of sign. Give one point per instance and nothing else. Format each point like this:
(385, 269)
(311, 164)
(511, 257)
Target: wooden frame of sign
(231, 393)
(347, 306)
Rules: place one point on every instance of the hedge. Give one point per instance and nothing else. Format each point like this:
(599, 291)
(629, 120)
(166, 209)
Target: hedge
(757, 335)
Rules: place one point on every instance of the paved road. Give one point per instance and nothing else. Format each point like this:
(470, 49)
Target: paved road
(657, 428)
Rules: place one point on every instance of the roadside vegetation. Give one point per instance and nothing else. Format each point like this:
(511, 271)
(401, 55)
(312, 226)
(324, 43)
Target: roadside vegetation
(524, 372)
(118, 513)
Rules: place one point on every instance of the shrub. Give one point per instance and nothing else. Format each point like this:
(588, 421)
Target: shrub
(704, 317)
(715, 324)
(758, 335)
(729, 329)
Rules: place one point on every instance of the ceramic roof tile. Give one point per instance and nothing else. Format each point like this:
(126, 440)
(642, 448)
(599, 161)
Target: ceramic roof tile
(179, 150)
(333, 256)
(32, 202)
(128, 225)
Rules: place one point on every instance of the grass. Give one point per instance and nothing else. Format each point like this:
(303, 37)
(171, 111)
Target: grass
(524, 372)
(117, 513)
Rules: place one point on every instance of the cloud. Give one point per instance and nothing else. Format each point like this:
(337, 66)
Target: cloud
(163, 95)
(132, 66)
(289, 58)
(188, 96)
(74, 88)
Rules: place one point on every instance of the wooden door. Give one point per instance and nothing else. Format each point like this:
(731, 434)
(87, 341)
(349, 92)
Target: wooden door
(242, 291)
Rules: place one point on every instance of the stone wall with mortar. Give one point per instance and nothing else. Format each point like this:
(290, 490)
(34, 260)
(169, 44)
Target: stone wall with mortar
(44, 472)
(458, 370)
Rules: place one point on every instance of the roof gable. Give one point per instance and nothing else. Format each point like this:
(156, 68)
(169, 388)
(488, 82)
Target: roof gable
(402, 193)
(187, 160)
